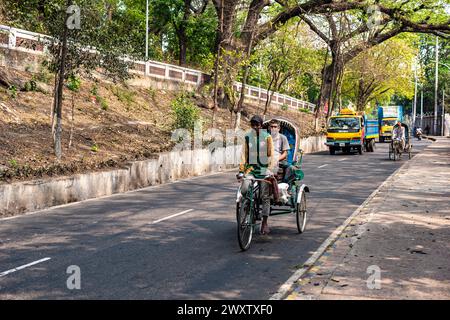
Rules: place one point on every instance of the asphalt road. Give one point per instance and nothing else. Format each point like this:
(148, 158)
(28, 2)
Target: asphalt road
(126, 249)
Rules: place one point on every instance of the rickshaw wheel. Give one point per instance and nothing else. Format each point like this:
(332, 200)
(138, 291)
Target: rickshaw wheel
(301, 214)
(244, 224)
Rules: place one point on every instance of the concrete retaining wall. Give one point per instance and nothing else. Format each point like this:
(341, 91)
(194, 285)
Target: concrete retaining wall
(313, 144)
(34, 195)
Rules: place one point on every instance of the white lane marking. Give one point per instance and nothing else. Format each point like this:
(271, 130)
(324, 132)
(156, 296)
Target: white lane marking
(343, 159)
(172, 216)
(322, 166)
(23, 267)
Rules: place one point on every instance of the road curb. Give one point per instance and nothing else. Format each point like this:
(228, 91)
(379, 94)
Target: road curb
(287, 287)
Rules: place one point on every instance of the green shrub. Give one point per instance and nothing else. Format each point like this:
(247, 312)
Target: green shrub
(185, 112)
(305, 110)
(123, 95)
(94, 90)
(152, 93)
(30, 86)
(73, 83)
(94, 148)
(284, 107)
(13, 163)
(43, 75)
(104, 104)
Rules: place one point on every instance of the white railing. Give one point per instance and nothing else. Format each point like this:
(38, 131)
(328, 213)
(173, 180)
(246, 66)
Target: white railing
(31, 42)
(259, 94)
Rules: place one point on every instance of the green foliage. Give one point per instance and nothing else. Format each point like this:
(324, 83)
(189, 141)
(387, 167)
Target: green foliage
(169, 19)
(287, 63)
(427, 69)
(284, 107)
(380, 72)
(13, 163)
(74, 83)
(12, 90)
(186, 114)
(94, 148)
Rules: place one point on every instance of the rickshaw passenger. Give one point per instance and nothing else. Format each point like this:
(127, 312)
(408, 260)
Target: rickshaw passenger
(280, 144)
(399, 134)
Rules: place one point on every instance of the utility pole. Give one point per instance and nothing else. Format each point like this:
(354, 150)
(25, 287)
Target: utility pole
(443, 111)
(436, 87)
(421, 108)
(146, 32)
(415, 97)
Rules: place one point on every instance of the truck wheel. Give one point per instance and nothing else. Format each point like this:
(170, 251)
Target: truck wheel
(381, 139)
(372, 145)
(361, 149)
(332, 151)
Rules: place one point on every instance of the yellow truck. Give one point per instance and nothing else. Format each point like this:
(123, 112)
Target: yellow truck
(350, 130)
(388, 117)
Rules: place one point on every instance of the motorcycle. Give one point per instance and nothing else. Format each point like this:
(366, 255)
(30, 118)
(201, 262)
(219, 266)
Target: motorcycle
(419, 133)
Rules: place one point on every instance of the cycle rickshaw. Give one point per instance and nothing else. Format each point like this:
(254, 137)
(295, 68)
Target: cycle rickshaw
(293, 201)
(395, 150)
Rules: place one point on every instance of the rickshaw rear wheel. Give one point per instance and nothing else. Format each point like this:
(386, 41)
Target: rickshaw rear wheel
(301, 213)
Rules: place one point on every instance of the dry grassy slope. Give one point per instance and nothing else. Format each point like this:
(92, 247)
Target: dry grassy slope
(135, 125)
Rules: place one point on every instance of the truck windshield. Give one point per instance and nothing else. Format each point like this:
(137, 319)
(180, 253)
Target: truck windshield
(389, 123)
(344, 123)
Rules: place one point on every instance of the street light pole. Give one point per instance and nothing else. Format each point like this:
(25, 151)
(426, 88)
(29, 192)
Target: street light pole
(146, 32)
(436, 87)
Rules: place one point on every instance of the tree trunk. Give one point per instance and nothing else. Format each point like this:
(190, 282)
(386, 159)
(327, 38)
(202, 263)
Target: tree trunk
(73, 120)
(216, 61)
(53, 109)
(59, 91)
(269, 97)
(181, 33)
(329, 84)
(182, 42)
(244, 83)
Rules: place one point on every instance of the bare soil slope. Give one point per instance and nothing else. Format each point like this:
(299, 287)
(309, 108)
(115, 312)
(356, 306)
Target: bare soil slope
(113, 124)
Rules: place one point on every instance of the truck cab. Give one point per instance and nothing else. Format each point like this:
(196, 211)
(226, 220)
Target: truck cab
(388, 117)
(350, 130)
(386, 128)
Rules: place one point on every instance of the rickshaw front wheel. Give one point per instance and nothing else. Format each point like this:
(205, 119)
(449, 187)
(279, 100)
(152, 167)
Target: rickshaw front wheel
(301, 213)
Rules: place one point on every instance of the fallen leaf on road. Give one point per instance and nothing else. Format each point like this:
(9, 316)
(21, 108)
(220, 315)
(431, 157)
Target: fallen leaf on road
(418, 251)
